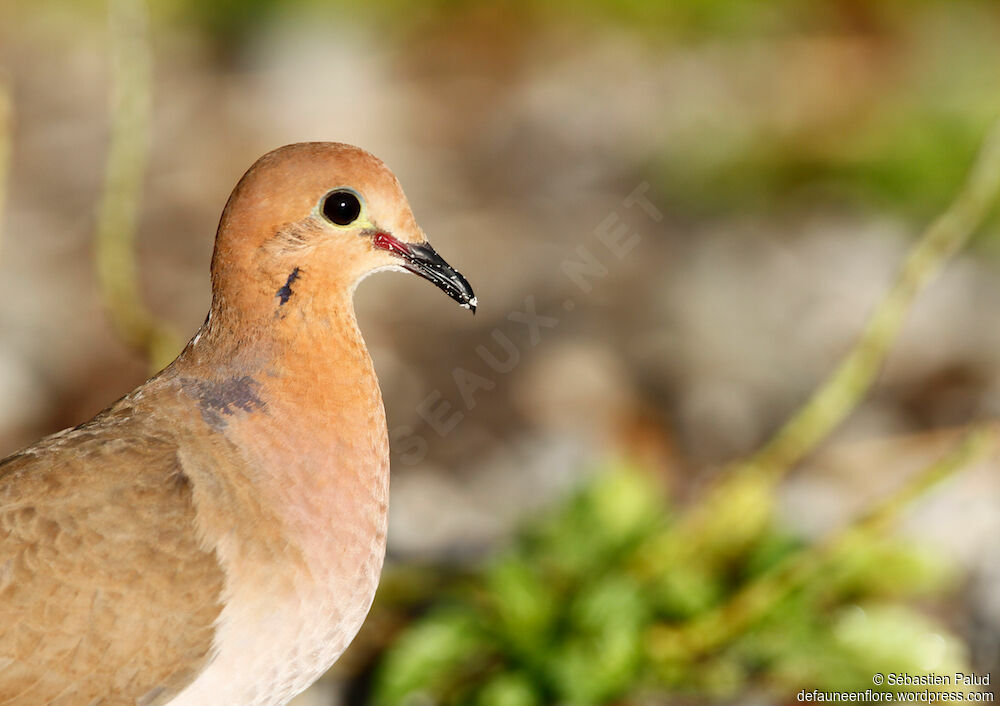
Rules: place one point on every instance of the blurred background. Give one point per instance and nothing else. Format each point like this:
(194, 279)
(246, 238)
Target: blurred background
(677, 217)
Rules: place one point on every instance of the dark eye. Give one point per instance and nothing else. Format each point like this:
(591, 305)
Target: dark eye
(341, 207)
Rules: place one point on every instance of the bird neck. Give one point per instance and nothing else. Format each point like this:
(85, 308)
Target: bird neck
(300, 399)
(299, 521)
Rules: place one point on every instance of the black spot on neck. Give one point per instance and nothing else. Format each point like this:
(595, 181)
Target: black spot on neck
(285, 293)
(218, 400)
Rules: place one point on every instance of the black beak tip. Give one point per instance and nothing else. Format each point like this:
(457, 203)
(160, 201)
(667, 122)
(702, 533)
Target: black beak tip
(458, 288)
(424, 261)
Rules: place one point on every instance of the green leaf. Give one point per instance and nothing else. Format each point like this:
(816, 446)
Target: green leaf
(428, 656)
(523, 604)
(508, 690)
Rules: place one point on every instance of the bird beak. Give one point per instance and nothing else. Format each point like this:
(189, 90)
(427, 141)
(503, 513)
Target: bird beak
(421, 259)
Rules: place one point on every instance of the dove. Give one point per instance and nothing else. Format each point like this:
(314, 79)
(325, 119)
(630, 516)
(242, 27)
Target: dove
(216, 536)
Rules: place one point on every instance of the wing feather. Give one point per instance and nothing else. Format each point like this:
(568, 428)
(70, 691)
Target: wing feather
(106, 593)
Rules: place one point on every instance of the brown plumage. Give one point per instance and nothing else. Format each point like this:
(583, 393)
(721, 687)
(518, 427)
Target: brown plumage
(216, 536)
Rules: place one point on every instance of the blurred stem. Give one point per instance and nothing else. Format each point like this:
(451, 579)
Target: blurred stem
(852, 379)
(738, 504)
(762, 595)
(6, 138)
(131, 72)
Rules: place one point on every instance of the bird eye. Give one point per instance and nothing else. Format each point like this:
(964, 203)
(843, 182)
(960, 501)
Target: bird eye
(341, 207)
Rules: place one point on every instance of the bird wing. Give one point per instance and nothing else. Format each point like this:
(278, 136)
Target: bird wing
(106, 593)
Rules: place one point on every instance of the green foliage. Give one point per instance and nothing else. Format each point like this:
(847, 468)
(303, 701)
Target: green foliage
(589, 606)
(432, 652)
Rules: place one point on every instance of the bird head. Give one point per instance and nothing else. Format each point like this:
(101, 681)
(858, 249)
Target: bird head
(311, 220)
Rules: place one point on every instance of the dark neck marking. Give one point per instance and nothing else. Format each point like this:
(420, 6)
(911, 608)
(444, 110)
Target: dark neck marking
(219, 400)
(285, 293)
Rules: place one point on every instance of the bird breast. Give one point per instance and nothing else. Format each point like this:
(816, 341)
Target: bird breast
(300, 531)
